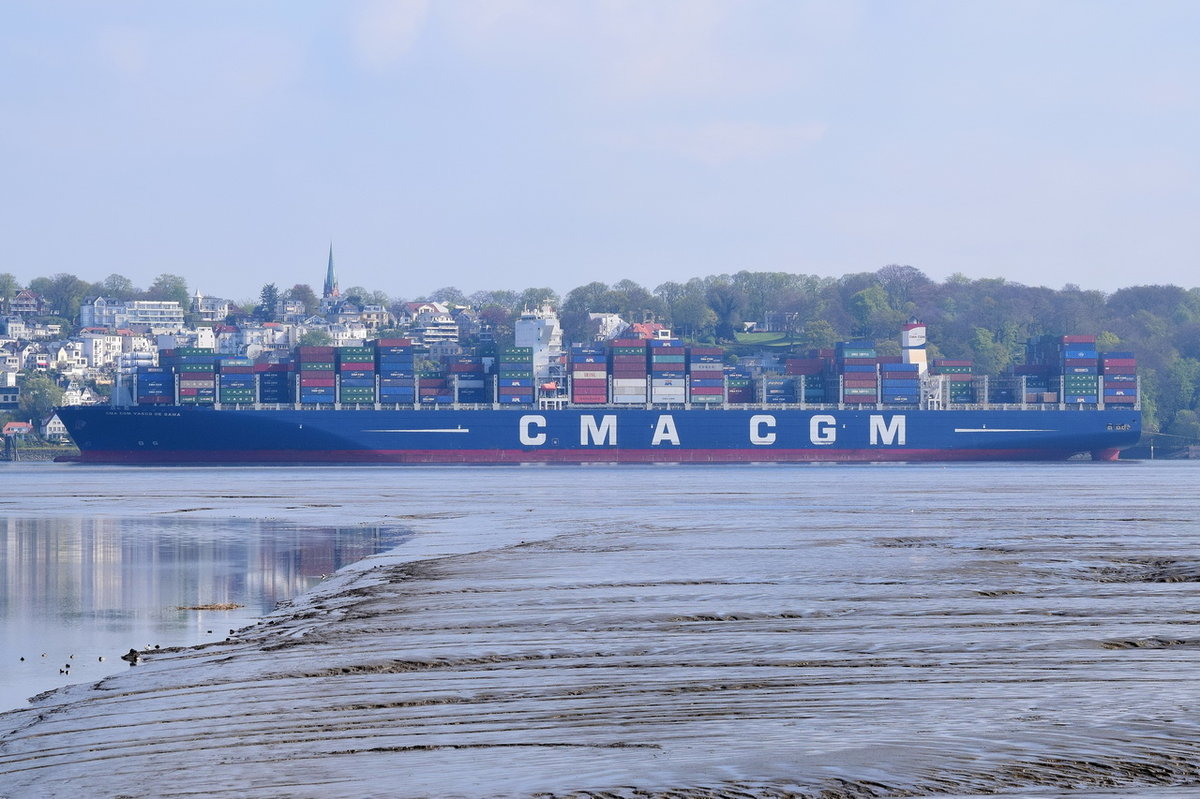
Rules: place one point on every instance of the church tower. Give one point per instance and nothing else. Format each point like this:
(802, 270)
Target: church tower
(331, 291)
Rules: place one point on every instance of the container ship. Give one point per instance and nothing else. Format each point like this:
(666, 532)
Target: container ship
(624, 401)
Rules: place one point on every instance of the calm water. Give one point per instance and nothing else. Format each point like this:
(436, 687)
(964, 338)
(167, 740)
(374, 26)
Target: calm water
(724, 631)
(76, 593)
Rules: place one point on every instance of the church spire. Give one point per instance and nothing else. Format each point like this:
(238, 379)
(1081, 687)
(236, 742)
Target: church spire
(331, 284)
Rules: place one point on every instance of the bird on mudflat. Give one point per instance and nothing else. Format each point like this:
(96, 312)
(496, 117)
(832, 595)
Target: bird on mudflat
(132, 656)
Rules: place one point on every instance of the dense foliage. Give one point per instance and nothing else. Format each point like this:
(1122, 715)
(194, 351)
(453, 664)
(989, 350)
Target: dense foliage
(986, 320)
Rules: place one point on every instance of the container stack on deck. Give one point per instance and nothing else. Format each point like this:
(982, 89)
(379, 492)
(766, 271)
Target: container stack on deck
(154, 385)
(629, 371)
(814, 371)
(515, 376)
(668, 371)
(467, 378)
(1080, 368)
(706, 375)
(275, 384)
(739, 386)
(960, 379)
(1118, 370)
(318, 377)
(779, 390)
(589, 374)
(236, 383)
(856, 363)
(356, 375)
(900, 383)
(395, 367)
(197, 371)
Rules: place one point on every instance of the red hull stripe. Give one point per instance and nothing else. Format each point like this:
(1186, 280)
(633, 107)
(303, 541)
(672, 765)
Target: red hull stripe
(515, 456)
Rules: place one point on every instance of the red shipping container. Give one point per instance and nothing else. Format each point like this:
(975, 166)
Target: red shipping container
(707, 351)
(1119, 362)
(357, 366)
(628, 342)
(237, 370)
(1079, 362)
(859, 361)
(188, 392)
(311, 382)
(1078, 340)
(858, 398)
(709, 391)
(466, 367)
(1120, 370)
(590, 383)
(394, 342)
(858, 382)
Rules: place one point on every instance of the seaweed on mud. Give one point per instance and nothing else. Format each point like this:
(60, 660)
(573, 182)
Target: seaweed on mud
(1148, 570)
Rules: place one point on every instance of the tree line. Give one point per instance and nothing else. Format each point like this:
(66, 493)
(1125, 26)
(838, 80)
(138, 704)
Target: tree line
(986, 320)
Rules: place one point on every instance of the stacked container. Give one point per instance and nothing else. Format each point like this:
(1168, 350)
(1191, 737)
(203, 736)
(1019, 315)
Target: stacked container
(154, 385)
(668, 370)
(275, 384)
(629, 371)
(317, 374)
(356, 375)
(779, 390)
(236, 383)
(589, 374)
(1080, 369)
(739, 386)
(856, 362)
(515, 376)
(395, 368)
(466, 376)
(196, 368)
(433, 388)
(1119, 373)
(706, 375)
(900, 383)
(960, 382)
(813, 370)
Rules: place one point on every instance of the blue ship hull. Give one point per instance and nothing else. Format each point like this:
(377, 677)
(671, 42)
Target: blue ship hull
(190, 435)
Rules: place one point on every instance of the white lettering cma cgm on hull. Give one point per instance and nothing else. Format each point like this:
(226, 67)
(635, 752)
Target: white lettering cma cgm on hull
(761, 432)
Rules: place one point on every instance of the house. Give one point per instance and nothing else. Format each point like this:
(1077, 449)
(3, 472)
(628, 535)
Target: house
(54, 430)
(27, 303)
(17, 429)
(155, 316)
(210, 309)
(76, 394)
(9, 397)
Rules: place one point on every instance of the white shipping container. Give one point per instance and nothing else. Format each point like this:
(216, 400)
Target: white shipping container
(667, 382)
(629, 382)
(630, 400)
(592, 375)
(707, 367)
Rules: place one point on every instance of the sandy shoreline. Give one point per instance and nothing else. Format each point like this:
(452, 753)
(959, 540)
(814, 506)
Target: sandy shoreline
(620, 658)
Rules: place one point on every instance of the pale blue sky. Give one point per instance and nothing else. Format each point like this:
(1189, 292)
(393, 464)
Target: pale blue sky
(512, 143)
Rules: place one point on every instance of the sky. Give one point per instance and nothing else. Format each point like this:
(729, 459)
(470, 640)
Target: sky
(506, 144)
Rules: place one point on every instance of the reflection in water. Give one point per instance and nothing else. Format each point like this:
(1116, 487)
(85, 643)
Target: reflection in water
(74, 590)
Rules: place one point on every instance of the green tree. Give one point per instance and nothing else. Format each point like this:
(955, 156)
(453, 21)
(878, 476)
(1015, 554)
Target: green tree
(117, 287)
(268, 299)
(167, 287)
(38, 397)
(63, 292)
(8, 287)
(318, 337)
(726, 302)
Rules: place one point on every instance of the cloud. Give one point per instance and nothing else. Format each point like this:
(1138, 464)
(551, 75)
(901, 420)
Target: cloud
(385, 30)
(723, 142)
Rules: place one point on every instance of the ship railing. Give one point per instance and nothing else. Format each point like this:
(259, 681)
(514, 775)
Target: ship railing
(704, 406)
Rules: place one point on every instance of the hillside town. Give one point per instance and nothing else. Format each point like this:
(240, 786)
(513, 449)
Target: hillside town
(46, 363)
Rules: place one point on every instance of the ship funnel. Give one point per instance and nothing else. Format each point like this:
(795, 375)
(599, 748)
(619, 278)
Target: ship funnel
(912, 345)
